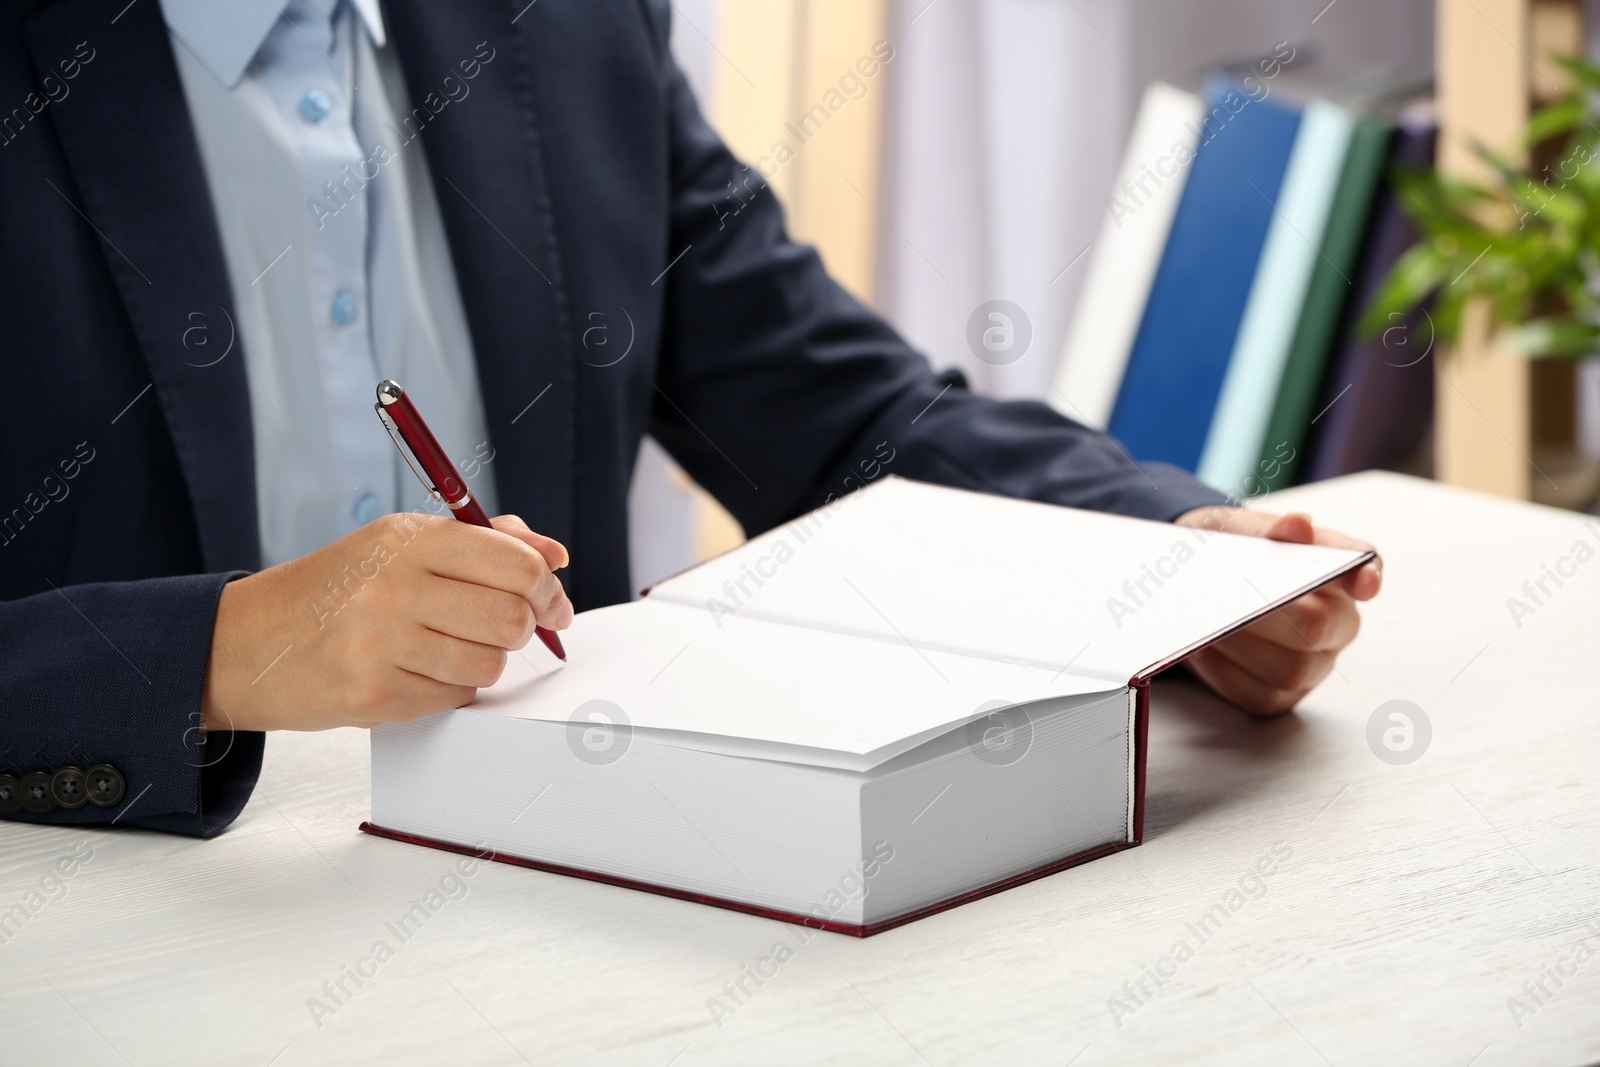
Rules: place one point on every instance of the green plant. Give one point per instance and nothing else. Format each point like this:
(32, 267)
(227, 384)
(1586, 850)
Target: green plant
(1527, 244)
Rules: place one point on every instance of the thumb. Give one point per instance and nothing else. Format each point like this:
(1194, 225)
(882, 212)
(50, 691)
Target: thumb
(1298, 529)
(554, 552)
(1295, 527)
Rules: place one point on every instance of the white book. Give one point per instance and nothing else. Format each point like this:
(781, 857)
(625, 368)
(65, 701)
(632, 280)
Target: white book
(1126, 254)
(1277, 294)
(844, 721)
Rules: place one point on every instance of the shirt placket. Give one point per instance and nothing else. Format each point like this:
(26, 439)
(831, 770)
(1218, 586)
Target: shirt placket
(312, 81)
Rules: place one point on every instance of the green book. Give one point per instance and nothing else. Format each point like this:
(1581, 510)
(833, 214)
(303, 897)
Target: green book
(1283, 448)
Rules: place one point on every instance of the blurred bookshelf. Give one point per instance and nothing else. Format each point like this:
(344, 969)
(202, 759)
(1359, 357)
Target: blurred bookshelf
(1501, 424)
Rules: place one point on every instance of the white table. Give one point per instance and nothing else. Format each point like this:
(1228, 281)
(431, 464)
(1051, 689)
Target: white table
(1417, 900)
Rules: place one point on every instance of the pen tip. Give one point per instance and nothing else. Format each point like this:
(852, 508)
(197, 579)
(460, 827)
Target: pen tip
(552, 642)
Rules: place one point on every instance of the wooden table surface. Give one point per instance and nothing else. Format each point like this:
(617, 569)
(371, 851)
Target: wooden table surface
(1418, 912)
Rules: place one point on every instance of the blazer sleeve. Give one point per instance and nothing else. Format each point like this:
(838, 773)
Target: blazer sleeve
(777, 390)
(106, 680)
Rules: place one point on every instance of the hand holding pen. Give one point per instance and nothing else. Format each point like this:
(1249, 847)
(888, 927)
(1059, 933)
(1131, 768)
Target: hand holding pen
(408, 615)
(434, 470)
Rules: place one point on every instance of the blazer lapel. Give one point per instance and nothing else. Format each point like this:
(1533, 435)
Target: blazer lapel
(486, 160)
(138, 180)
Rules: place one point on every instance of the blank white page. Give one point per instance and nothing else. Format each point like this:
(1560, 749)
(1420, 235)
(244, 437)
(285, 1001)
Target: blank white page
(811, 692)
(1033, 583)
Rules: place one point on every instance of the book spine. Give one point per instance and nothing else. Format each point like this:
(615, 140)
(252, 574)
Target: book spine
(1180, 353)
(1125, 255)
(1277, 297)
(1375, 403)
(1330, 292)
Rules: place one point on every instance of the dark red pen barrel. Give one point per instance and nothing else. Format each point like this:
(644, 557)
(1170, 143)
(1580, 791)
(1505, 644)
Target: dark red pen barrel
(473, 512)
(435, 463)
(551, 641)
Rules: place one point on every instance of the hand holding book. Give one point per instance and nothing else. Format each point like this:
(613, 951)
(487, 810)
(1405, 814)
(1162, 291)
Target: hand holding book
(1267, 667)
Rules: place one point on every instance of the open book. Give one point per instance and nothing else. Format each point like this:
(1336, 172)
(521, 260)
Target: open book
(909, 698)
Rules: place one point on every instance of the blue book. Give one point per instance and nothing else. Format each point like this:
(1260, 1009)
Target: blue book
(1180, 355)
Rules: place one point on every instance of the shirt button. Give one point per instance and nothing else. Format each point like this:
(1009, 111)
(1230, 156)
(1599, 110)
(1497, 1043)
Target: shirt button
(343, 308)
(366, 509)
(315, 105)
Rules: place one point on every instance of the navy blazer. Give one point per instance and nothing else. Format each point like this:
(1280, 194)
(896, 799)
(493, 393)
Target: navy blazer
(578, 177)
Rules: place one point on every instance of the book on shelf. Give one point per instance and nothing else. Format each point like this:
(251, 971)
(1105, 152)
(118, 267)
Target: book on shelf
(1278, 293)
(1191, 320)
(1283, 446)
(911, 698)
(1376, 400)
(1125, 256)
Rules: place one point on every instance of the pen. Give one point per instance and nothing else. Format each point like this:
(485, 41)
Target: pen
(437, 474)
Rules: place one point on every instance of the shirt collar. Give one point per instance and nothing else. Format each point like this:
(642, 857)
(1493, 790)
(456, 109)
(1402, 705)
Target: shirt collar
(225, 35)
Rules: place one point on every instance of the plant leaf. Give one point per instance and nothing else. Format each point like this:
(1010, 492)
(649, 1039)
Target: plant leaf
(1418, 272)
(1561, 116)
(1556, 336)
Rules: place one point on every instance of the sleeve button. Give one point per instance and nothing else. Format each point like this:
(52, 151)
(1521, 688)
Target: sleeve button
(69, 787)
(36, 793)
(10, 794)
(106, 785)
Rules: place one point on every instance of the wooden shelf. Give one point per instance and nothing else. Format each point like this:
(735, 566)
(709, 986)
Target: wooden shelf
(1493, 65)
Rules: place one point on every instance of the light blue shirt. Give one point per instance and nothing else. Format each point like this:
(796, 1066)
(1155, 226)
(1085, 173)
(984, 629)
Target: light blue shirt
(337, 260)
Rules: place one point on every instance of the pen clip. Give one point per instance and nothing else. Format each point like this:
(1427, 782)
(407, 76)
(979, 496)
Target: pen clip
(399, 442)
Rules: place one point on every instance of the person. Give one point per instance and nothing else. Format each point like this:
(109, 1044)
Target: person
(225, 224)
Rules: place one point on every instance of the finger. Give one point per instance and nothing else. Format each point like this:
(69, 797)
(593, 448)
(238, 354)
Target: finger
(448, 659)
(1295, 528)
(465, 552)
(1335, 539)
(1365, 582)
(1239, 686)
(474, 612)
(1278, 667)
(554, 552)
(1223, 517)
(1325, 621)
(497, 560)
